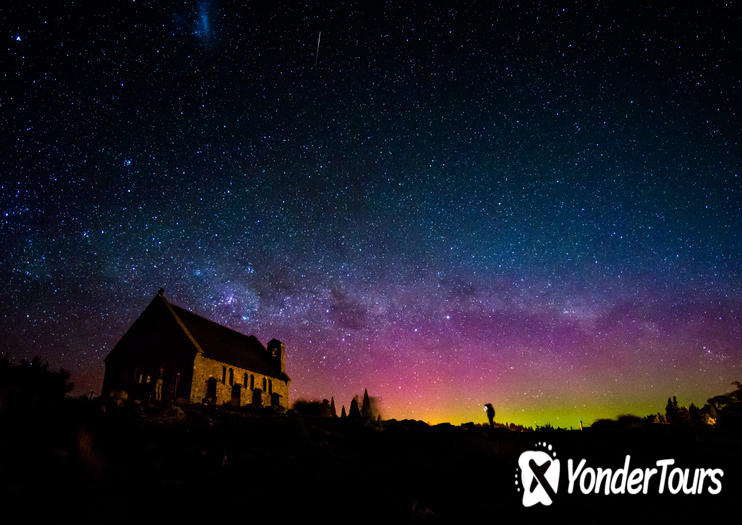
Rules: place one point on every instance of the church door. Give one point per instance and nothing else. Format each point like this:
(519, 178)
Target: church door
(257, 397)
(211, 390)
(236, 391)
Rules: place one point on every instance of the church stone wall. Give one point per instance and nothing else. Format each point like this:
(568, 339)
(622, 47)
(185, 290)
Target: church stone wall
(205, 368)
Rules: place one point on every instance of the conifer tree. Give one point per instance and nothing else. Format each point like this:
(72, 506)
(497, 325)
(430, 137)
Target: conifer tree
(354, 411)
(366, 407)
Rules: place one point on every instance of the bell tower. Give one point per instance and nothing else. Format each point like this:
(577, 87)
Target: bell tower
(277, 351)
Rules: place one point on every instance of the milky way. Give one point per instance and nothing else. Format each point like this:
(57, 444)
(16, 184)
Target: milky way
(530, 206)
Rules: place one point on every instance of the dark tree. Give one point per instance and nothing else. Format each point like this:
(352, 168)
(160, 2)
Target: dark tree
(366, 406)
(30, 385)
(332, 407)
(354, 412)
(671, 410)
(694, 414)
(726, 409)
(676, 414)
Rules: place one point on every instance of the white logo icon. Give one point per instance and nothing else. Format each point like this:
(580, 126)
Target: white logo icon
(539, 475)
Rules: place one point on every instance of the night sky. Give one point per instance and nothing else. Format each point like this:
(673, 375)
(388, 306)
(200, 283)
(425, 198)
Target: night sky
(532, 206)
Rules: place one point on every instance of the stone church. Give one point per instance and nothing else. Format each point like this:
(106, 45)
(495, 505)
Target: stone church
(171, 354)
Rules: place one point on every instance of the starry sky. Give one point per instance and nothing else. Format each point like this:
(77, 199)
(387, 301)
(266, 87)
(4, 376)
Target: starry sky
(533, 206)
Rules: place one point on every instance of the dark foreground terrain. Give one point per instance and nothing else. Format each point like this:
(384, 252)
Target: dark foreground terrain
(201, 465)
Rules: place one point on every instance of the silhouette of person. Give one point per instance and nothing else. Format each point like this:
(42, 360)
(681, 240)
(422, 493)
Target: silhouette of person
(490, 413)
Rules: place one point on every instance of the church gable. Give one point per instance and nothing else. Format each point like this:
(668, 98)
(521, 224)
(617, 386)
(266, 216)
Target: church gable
(171, 353)
(154, 358)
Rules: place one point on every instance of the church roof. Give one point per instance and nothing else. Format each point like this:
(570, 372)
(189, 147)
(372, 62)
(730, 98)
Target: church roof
(224, 344)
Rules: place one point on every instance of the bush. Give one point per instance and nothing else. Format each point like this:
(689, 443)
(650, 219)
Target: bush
(30, 385)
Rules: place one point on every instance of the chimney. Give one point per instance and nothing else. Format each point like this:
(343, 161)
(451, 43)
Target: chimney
(161, 292)
(277, 351)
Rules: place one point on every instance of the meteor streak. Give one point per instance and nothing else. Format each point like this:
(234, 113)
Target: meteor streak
(316, 54)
